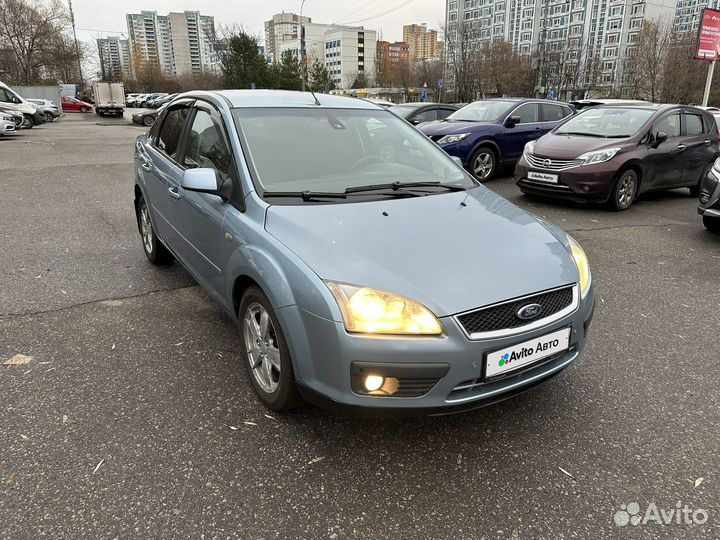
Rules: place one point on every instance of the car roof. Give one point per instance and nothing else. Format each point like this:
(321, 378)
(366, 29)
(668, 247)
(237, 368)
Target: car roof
(249, 99)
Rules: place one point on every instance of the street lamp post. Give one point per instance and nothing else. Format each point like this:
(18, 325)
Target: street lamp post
(302, 46)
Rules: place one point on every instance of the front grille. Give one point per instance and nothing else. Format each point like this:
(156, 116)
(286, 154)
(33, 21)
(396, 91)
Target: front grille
(552, 164)
(504, 316)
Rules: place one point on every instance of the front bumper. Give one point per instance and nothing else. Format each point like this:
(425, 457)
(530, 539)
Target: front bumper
(589, 183)
(325, 356)
(710, 195)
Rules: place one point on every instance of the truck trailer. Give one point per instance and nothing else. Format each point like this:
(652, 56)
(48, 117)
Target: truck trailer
(109, 98)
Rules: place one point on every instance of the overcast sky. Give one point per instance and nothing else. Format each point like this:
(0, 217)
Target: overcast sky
(100, 18)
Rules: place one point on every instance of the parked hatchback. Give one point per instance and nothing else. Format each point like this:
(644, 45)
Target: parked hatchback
(47, 107)
(612, 154)
(490, 133)
(70, 104)
(356, 282)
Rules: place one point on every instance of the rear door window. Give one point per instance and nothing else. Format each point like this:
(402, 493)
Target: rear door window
(528, 113)
(168, 140)
(693, 124)
(552, 113)
(444, 113)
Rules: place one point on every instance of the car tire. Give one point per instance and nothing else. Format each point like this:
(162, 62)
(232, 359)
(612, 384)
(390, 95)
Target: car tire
(154, 249)
(712, 224)
(695, 190)
(624, 191)
(265, 353)
(28, 122)
(148, 120)
(483, 163)
(83, 109)
(49, 117)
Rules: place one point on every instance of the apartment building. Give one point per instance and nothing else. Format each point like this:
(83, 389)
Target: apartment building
(687, 14)
(283, 27)
(114, 55)
(347, 51)
(423, 44)
(393, 54)
(181, 43)
(595, 34)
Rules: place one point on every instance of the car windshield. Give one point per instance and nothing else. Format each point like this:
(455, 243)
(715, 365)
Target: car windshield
(331, 150)
(481, 111)
(606, 122)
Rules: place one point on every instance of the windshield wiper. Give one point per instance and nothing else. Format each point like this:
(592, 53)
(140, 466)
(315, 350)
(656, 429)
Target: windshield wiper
(617, 136)
(305, 195)
(396, 186)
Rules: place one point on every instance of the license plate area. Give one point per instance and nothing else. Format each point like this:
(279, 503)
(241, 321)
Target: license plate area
(543, 177)
(521, 355)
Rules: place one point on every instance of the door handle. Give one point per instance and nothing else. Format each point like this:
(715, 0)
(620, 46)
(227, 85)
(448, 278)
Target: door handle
(681, 147)
(174, 193)
(706, 141)
(145, 165)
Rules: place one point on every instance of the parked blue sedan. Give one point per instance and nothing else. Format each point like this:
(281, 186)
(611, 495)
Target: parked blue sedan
(491, 133)
(356, 278)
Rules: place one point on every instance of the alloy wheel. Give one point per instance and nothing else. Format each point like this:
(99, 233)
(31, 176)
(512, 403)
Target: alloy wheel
(262, 348)
(626, 190)
(146, 230)
(483, 165)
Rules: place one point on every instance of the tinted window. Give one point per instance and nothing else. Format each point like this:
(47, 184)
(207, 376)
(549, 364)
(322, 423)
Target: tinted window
(426, 116)
(206, 145)
(528, 113)
(552, 113)
(4, 96)
(172, 127)
(693, 124)
(670, 125)
(444, 113)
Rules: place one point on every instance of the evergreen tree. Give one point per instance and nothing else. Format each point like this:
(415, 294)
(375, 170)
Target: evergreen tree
(243, 65)
(320, 80)
(286, 73)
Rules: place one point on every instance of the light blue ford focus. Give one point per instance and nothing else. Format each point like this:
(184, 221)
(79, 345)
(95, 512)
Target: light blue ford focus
(366, 270)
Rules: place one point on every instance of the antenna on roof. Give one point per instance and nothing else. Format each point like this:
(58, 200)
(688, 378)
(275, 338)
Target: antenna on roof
(309, 88)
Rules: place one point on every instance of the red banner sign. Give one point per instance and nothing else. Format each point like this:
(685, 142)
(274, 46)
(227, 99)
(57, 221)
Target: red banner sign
(708, 43)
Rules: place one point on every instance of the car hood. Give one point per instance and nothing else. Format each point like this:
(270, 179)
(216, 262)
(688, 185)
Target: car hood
(569, 147)
(451, 257)
(443, 127)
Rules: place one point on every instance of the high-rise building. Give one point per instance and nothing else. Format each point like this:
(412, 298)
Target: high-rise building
(180, 43)
(600, 33)
(283, 27)
(348, 52)
(422, 43)
(687, 14)
(114, 55)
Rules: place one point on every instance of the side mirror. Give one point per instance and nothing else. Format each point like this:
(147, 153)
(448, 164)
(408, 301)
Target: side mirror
(201, 180)
(415, 122)
(15, 99)
(513, 121)
(660, 137)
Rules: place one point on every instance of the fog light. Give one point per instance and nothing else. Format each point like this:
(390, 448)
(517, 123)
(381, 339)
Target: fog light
(374, 382)
(586, 188)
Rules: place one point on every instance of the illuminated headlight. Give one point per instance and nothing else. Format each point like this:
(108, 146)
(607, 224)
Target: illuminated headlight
(598, 156)
(582, 264)
(447, 139)
(529, 147)
(369, 311)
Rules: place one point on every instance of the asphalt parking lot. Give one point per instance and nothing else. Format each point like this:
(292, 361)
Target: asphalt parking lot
(134, 418)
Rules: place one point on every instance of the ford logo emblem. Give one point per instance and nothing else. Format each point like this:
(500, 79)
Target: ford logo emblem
(547, 163)
(531, 311)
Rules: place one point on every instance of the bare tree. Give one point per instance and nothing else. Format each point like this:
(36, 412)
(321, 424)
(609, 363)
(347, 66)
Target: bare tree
(463, 68)
(505, 71)
(32, 29)
(645, 66)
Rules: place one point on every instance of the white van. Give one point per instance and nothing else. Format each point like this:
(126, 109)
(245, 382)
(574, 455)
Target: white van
(9, 99)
